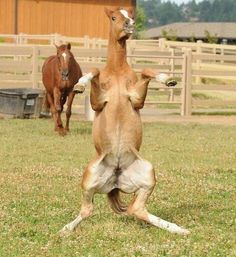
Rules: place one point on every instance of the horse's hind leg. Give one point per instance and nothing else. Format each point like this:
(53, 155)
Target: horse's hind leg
(91, 176)
(140, 177)
(68, 110)
(85, 212)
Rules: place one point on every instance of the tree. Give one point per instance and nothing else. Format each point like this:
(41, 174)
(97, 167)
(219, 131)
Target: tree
(212, 39)
(159, 12)
(139, 22)
(169, 35)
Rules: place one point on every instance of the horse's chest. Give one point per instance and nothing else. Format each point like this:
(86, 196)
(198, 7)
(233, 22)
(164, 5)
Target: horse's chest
(116, 82)
(66, 83)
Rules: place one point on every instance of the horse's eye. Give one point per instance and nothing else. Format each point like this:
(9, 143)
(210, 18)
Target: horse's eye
(113, 18)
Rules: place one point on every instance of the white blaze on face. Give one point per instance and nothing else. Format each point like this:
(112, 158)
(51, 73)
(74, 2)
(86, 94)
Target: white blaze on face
(64, 56)
(125, 13)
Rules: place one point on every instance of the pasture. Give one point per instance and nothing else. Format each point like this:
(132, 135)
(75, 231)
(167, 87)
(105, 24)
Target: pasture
(39, 186)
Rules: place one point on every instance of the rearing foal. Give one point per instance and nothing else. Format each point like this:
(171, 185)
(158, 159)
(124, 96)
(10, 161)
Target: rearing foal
(60, 73)
(117, 96)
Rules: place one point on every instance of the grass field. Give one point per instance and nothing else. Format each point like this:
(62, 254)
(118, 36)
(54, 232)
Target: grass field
(39, 187)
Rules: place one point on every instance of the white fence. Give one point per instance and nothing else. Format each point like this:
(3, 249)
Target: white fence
(21, 62)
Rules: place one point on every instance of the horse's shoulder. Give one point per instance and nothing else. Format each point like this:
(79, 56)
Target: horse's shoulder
(49, 61)
(51, 58)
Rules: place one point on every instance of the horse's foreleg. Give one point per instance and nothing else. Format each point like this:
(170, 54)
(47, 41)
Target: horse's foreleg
(52, 108)
(57, 103)
(97, 95)
(138, 93)
(68, 110)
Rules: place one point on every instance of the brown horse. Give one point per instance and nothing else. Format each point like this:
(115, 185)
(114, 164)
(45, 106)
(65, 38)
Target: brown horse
(117, 96)
(60, 73)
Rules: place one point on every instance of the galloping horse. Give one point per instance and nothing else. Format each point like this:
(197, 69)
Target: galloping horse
(60, 73)
(116, 97)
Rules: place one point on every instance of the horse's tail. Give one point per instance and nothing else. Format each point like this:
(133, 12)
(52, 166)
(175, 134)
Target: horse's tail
(116, 204)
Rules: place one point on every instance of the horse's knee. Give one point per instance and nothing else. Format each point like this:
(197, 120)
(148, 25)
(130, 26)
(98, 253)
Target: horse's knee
(138, 212)
(58, 108)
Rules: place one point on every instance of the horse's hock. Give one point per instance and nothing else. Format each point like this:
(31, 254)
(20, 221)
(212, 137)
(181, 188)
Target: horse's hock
(21, 102)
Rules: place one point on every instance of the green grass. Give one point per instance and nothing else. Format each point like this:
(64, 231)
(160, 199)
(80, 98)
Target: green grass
(40, 174)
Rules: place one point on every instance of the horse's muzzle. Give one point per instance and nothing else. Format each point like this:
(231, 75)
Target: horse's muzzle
(129, 29)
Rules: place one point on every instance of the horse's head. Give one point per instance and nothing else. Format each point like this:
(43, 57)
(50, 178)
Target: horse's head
(122, 22)
(64, 56)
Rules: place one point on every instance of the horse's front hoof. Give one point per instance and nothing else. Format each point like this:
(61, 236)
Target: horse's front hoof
(171, 83)
(79, 88)
(62, 132)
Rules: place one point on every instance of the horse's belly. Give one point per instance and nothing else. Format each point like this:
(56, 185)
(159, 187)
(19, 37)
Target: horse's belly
(118, 141)
(120, 160)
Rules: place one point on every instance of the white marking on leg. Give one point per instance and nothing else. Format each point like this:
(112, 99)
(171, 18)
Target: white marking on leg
(72, 225)
(162, 77)
(125, 14)
(86, 79)
(171, 227)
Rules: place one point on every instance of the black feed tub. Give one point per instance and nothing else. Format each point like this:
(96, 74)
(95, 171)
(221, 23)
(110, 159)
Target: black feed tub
(21, 102)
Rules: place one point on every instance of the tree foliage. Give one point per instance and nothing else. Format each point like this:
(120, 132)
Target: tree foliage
(159, 12)
(139, 22)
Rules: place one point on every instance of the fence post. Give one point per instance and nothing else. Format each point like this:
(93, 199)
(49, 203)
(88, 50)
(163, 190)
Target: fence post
(198, 62)
(183, 92)
(35, 67)
(130, 48)
(222, 52)
(86, 45)
(52, 41)
(162, 43)
(188, 91)
(172, 65)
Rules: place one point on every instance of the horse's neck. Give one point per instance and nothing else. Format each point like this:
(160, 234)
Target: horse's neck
(116, 58)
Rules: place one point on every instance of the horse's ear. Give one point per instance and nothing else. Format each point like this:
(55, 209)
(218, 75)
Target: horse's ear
(131, 11)
(108, 12)
(68, 46)
(57, 47)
